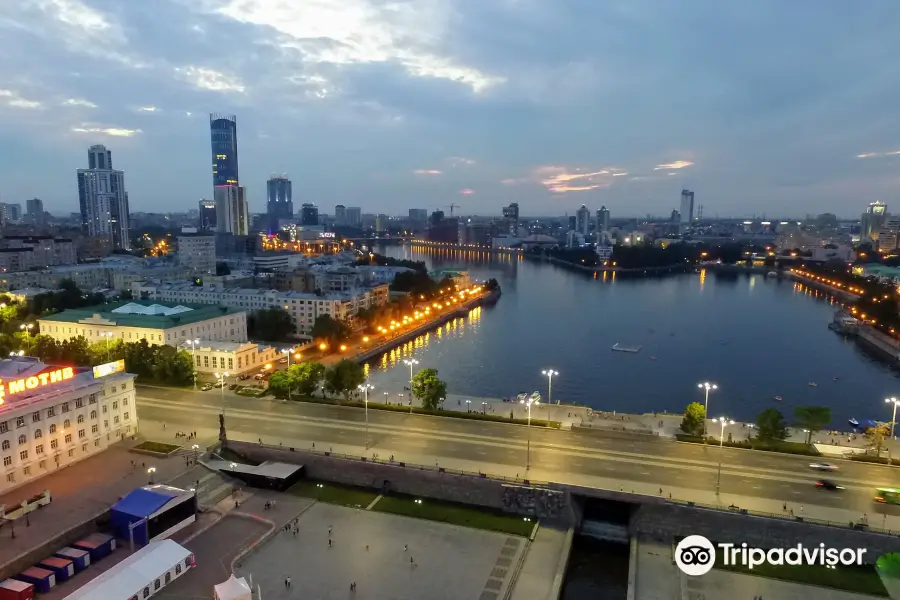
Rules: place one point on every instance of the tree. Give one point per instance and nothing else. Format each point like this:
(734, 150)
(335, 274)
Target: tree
(812, 419)
(877, 434)
(770, 425)
(224, 269)
(344, 377)
(172, 365)
(694, 419)
(270, 324)
(429, 390)
(306, 377)
(280, 382)
(330, 329)
(491, 285)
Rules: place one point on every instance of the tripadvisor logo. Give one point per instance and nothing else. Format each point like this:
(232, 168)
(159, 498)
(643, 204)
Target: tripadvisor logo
(695, 555)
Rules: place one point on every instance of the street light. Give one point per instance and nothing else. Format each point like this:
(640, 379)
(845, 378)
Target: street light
(193, 344)
(468, 406)
(26, 327)
(289, 352)
(150, 473)
(107, 335)
(706, 386)
(549, 373)
(411, 362)
(893, 401)
(528, 403)
(221, 381)
(723, 421)
(196, 449)
(364, 388)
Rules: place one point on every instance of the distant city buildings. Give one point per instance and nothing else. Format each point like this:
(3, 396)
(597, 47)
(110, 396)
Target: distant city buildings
(602, 219)
(353, 216)
(583, 221)
(197, 252)
(511, 218)
(102, 199)
(35, 212)
(10, 213)
(232, 212)
(25, 252)
(872, 222)
(381, 223)
(687, 209)
(207, 217)
(340, 215)
(418, 219)
(309, 214)
(279, 205)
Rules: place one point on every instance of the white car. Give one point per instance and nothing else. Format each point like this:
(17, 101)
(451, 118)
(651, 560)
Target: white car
(823, 467)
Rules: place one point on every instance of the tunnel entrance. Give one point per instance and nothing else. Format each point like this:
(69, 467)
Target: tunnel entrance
(606, 520)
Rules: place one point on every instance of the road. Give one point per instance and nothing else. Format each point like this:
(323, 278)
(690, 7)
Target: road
(755, 480)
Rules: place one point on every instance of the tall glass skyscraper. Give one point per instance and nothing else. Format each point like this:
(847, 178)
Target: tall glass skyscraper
(223, 132)
(280, 205)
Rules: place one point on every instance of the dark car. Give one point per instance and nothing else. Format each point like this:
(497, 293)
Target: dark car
(233, 386)
(244, 377)
(827, 484)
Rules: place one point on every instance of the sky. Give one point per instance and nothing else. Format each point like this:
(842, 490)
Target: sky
(762, 108)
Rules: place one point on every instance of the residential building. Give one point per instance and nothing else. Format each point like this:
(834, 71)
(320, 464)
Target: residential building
(368, 221)
(474, 232)
(602, 219)
(353, 216)
(888, 235)
(232, 211)
(23, 253)
(418, 219)
(304, 308)
(279, 204)
(872, 221)
(207, 209)
(35, 212)
(157, 322)
(511, 218)
(687, 209)
(583, 220)
(10, 213)
(309, 214)
(102, 198)
(459, 277)
(52, 417)
(229, 357)
(271, 261)
(381, 223)
(572, 223)
(340, 215)
(379, 274)
(197, 252)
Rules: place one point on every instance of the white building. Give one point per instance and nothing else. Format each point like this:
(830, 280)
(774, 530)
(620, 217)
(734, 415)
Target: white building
(156, 322)
(51, 417)
(197, 252)
(103, 200)
(304, 308)
(232, 212)
(235, 359)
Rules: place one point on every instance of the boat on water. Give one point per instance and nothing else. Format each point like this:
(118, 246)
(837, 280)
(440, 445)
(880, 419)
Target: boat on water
(812, 384)
(853, 422)
(652, 358)
(772, 274)
(778, 398)
(626, 348)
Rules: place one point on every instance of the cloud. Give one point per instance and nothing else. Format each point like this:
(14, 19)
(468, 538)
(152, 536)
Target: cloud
(878, 154)
(427, 172)
(14, 100)
(460, 161)
(210, 79)
(149, 109)
(79, 102)
(560, 179)
(466, 192)
(678, 164)
(110, 131)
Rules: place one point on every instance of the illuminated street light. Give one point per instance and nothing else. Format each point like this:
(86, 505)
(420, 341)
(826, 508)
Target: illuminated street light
(107, 335)
(150, 473)
(364, 388)
(549, 373)
(221, 380)
(706, 386)
(893, 401)
(723, 421)
(289, 351)
(194, 344)
(528, 404)
(411, 362)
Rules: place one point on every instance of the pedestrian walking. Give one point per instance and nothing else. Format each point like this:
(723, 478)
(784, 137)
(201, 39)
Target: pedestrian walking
(286, 584)
(411, 559)
(329, 531)
(784, 507)
(367, 547)
(329, 542)
(405, 547)
(289, 582)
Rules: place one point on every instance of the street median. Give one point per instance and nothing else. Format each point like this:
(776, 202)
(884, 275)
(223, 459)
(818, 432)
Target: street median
(754, 444)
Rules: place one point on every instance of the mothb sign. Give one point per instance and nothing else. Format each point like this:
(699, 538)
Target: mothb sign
(12, 387)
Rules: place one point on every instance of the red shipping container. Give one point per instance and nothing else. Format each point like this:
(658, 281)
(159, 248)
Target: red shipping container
(12, 589)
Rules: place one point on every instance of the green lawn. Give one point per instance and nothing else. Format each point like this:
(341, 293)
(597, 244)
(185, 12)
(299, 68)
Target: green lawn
(455, 514)
(862, 580)
(334, 493)
(160, 447)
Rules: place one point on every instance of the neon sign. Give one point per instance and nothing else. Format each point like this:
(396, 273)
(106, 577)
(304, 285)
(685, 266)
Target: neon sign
(17, 386)
(326, 234)
(109, 369)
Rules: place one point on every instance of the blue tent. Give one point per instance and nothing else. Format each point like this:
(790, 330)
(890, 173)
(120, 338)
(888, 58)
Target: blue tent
(139, 504)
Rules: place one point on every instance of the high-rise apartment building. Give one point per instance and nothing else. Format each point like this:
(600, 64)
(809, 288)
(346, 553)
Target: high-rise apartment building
(687, 209)
(603, 219)
(309, 214)
(103, 200)
(353, 216)
(35, 212)
(511, 218)
(340, 215)
(279, 203)
(872, 221)
(418, 218)
(572, 223)
(583, 220)
(232, 212)
(381, 223)
(207, 215)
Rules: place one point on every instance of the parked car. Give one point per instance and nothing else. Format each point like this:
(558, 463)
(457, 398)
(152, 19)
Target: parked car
(244, 377)
(233, 386)
(283, 361)
(258, 376)
(206, 387)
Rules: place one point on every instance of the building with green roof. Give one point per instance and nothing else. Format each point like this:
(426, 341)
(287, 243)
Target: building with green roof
(151, 320)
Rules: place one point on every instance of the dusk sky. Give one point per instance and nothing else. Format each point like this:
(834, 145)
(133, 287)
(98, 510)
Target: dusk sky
(766, 107)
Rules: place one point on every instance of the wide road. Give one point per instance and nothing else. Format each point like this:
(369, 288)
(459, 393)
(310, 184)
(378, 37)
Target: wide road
(755, 480)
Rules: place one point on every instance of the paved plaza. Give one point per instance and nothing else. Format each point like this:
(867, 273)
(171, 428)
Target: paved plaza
(449, 562)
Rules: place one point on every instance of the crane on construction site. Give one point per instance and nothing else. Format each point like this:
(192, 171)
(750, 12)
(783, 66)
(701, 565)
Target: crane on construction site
(451, 207)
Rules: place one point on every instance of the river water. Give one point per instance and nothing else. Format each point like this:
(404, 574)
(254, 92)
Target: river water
(757, 338)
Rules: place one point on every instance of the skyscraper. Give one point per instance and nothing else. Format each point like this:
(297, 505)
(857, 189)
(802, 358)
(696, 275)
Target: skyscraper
(687, 209)
(340, 215)
(309, 214)
(232, 212)
(511, 218)
(102, 199)
(602, 219)
(583, 220)
(34, 211)
(353, 216)
(279, 204)
(872, 221)
(207, 215)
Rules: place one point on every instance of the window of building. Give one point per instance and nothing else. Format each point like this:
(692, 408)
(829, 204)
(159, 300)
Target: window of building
(113, 389)
(116, 405)
(79, 403)
(6, 444)
(39, 449)
(81, 418)
(105, 424)
(92, 399)
(23, 455)
(4, 427)
(146, 592)
(104, 409)
(65, 407)
(23, 440)
(125, 402)
(27, 471)
(97, 443)
(51, 412)
(94, 429)
(68, 438)
(54, 444)
(178, 569)
(125, 416)
(7, 461)
(156, 584)
(38, 433)
(36, 416)
(116, 420)
(43, 464)
(84, 447)
(11, 477)
(93, 414)
(53, 428)
(80, 433)
(20, 421)
(71, 452)
(67, 423)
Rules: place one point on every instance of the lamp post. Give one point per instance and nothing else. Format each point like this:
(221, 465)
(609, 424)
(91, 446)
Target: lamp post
(893, 401)
(221, 381)
(723, 421)
(411, 362)
(196, 449)
(289, 352)
(706, 386)
(549, 373)
(26, 327)
(528, 404)
(365, 390)
(107, 335)
(150, 473)
(193, 344)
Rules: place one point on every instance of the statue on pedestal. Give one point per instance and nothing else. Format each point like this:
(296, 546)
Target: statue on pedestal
(223, 436)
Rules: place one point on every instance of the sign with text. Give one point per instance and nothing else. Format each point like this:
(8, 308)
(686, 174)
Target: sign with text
(109, 369)
(12, 387)
(326, 234)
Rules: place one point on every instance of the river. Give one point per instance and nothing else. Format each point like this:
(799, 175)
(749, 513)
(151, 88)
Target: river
(756, 338)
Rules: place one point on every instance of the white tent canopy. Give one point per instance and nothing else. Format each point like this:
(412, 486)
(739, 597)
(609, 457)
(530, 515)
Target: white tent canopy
(233, 589)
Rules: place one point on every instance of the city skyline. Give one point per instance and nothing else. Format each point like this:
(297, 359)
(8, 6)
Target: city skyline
(757, 109)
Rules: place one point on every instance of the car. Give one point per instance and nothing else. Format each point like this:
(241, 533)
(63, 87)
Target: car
(206, 387)
(244, 377)
(258, 376)
(823, 467)
(233, 386)
(220, 384)
(827, 484)
(283, 361)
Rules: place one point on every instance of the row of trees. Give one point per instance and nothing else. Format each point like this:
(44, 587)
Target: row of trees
(344, 378)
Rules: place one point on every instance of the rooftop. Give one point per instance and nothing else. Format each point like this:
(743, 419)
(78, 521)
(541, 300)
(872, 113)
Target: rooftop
(263, 293)
(144, 313)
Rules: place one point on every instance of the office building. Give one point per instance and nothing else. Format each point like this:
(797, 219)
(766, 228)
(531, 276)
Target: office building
(511, 218)
(10, 213)
(309, 214)
(156, 322)
(583, 220)
(35, 212)
(25, 252)
(279, 205)
(197, 252)
(232, 212)
(231, 357)
(572, 223)
(872, 221)
(207, 209)
(602, 220)
(418, 219)
(353, 216)
(340, 215)
(687, 209)
(102, 199)
(888, 235)
(52, 417)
